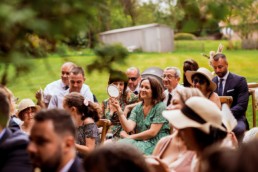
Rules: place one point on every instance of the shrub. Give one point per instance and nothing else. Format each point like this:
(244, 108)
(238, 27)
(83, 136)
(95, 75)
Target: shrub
(185, 36)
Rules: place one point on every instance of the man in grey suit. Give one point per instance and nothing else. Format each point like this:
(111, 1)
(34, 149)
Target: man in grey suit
(229, 84)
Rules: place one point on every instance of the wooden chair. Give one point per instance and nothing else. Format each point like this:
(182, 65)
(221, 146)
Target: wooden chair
(252, 87)
(105, 124)
(226, 99)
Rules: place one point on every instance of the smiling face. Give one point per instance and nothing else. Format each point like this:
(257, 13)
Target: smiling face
(76, 82)
(145, 90)
(45, 147)
(169, 79)
(200, 82)
(133, 79)
(65, 72)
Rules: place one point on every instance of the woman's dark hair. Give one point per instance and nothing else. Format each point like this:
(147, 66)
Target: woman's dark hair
(191, 65)
(115, 158)
(157, 90)
(116, 76)
(205, 140)
(92, 110)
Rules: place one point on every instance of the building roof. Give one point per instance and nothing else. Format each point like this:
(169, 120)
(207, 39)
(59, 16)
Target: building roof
(130, 28)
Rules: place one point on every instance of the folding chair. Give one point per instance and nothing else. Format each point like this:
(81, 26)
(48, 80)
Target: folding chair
(105, 124)
(226, 99)
(252, 87)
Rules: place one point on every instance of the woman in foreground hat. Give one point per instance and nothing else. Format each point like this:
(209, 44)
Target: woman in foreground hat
(199, 125)
(26, 112)
(171, 149)
(202, 79)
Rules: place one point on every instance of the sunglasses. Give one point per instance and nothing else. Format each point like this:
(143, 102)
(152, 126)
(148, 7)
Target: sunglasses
(132, 78)
(198, 80)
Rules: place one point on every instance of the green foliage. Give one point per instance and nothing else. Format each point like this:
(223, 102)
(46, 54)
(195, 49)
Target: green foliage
(32, 28)
(107, 55)
(184, 36)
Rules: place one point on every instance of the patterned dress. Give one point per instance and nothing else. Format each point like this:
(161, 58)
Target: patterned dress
(87, 131)
(116, 127)
(144, 123)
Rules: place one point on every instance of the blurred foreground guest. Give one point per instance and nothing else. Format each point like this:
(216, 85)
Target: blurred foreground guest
(26, 112)
(85, 115)
(216, 159)
(115, 158)
(52, 142)
(199, 125)
(190, 65)
(146, 118)
(13, 144)
(171, 149)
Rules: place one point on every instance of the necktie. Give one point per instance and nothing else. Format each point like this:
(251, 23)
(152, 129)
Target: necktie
(169, 99)
(220, 90)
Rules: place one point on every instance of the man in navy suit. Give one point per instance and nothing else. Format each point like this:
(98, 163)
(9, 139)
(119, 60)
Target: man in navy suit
(229, 84)
(52, 142)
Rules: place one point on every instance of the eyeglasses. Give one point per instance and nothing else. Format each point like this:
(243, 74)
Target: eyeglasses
(198, 80)
(168, 76)
(132, 78)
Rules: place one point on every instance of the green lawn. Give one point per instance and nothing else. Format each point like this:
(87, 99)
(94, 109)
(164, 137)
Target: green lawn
(46, 70)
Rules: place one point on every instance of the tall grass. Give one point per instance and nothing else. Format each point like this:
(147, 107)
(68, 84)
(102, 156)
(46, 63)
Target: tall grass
(46, 70)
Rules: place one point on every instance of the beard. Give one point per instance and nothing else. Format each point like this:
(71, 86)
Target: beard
(49, 165)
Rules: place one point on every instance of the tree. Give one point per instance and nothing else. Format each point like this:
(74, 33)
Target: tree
(30, 29)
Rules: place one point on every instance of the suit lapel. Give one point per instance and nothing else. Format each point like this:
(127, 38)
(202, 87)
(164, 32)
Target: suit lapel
(215, 80)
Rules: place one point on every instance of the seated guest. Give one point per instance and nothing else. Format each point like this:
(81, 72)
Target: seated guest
(134, 78)
(170, 79)
(52, 142)
(58, 86)
(85, 115)
(202, 79)
(119, 79)
(76, 84)
(199, 125)
(26, 112)
(190, 65)
(146, 117)
(13, 143)
(171, 149)
(115, 158)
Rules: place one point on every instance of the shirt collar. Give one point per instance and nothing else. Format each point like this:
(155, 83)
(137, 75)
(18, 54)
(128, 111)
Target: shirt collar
(67, 166)
(225, 76)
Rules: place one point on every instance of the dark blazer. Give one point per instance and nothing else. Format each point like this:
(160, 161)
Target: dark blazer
(236, 86)
(77, 166)
(13, 152)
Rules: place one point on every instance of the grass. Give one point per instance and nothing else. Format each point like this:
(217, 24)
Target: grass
(46, 70)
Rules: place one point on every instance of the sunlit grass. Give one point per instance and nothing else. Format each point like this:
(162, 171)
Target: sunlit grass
(46, 70)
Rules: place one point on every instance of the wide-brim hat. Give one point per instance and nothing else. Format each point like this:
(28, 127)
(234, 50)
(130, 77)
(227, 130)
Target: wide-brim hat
(206, 73)
(198, 112)
(26, 103)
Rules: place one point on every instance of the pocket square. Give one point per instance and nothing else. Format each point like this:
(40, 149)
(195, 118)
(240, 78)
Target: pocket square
(230, 90)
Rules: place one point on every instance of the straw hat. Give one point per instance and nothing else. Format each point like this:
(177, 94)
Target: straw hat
(198, 112)
(24, 104)
(203, 71)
